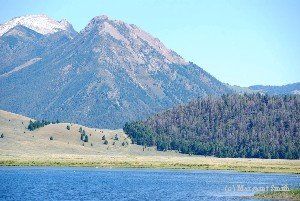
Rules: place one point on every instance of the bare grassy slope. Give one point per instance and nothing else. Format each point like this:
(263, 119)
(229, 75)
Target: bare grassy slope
(22, 147)
(18, 140)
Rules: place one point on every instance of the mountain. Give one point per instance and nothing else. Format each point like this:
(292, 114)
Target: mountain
(109, 73)
(234, 125)
(41, 24)
(278, 90)
(27, 38)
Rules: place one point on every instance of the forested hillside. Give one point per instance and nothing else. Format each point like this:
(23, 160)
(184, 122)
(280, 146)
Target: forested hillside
(250, 125)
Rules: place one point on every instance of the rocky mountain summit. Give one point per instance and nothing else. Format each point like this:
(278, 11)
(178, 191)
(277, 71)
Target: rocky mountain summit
(109, 73)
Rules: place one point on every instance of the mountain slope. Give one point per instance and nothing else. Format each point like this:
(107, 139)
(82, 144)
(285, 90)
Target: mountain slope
(253, 125)
(108, 74)
(18, 45)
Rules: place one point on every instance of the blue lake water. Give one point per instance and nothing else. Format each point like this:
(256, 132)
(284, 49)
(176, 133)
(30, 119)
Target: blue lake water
(56, 183)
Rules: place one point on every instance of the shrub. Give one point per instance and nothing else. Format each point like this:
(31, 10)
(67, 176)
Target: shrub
(68, 127)
(116, 137)
(2, 135)
(105, 142)
(51, 138)
(103, 137)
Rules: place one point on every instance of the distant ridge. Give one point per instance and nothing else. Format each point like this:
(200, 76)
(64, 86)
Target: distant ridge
(277, 90)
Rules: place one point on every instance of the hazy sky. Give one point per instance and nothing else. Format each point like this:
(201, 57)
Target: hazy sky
(239, 42)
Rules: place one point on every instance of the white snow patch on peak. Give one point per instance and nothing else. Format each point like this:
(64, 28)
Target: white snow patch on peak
(39, 23)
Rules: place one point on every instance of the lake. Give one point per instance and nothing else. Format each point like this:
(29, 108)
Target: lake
(68, 183)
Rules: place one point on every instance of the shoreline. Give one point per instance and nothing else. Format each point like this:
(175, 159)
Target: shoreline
(158, 162)
(293, 194)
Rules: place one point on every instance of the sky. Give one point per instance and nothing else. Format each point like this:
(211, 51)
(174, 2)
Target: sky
(240, 42)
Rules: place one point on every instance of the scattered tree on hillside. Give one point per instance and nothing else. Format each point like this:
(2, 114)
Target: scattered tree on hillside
(68, 127)
(116, 137)
(83, 135)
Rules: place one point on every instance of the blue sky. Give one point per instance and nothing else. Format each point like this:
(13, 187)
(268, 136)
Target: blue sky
(239, 42)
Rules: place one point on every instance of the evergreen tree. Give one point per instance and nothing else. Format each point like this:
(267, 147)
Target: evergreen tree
(86, 138)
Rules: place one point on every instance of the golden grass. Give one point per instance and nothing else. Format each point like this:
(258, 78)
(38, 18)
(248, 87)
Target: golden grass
(170, 162)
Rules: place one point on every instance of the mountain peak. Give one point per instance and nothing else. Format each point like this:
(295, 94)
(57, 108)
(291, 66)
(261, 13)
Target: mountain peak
(129, 38)
(102, 17)
(40, 23)
(96, 22)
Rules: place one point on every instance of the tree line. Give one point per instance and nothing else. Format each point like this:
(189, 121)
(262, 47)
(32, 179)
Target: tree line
(38, 124)
(233, 125)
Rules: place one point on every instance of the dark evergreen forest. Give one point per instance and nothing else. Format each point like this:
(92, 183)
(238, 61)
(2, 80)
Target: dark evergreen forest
(249, 125)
